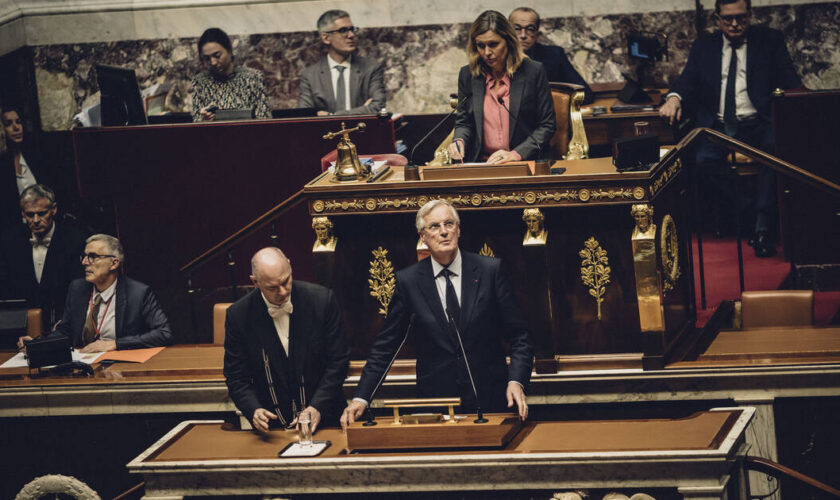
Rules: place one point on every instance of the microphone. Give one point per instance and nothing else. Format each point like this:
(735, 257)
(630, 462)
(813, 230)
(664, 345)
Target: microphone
(369, 419)
(479, 414)
(527, 129)
(435, 128)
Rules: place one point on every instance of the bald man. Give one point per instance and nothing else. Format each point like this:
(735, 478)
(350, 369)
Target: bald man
(285, 348)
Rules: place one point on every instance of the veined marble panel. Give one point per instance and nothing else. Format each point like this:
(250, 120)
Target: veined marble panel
(421, 61)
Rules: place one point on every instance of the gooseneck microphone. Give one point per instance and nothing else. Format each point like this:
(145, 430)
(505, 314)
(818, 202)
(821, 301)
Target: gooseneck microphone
(517, 122)
(369, 419)
(436, 127)
(479, 414)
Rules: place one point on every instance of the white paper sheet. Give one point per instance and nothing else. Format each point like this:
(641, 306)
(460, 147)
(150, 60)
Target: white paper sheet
(19, 360)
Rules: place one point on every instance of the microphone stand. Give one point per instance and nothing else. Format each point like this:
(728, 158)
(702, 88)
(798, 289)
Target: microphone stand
(479, 414)
(527, 129)
(369, 418)
(434, 129)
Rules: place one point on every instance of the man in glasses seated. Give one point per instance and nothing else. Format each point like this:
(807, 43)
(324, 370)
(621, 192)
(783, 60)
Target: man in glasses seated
(758, 62)
(105, 310)
(453, 294)
(342, 82)
(39, 259)
(526, 22)
(286, 353)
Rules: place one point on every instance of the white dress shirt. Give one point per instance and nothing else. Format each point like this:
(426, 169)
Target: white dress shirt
(39, 251)
(455, 278)
(280, 316)
(106, 320)
(334, 77)
(743, 105)
(26, 177)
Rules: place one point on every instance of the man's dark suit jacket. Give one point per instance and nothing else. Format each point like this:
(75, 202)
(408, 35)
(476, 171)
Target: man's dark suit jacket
(558, 68)
(490, 316)
(530, 101)
(768, 67)
(366, 82)
(17, 271)
(140, 322)
(9, 196)
(319, 354)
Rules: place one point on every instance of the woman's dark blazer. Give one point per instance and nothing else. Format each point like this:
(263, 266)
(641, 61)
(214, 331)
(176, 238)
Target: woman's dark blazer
(530, 101)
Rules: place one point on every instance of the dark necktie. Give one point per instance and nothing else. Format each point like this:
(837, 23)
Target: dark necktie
(89, 330)
(340, 91)
(453, 309)
(730, 120)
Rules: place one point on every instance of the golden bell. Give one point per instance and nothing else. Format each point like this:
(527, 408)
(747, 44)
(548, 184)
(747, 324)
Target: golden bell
(347, 166)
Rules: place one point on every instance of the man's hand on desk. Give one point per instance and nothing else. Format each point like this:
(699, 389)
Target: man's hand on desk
(23, 340)
(352, 413)
(261, 418)
(314, 417)
(100, 346)
(671, 110)
(515, 394)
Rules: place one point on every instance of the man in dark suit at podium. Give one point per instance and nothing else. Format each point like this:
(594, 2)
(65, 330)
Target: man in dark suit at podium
(739, 107)
(40, 259)
(342, 82)
(526, 22)
(450, 288)
(286, 352)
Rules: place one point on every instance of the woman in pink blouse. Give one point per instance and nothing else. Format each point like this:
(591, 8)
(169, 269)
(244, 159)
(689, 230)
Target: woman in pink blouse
(505, 111)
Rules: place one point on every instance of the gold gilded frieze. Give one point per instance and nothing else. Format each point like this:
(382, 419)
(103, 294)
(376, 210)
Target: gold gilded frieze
(382, 280)
(479, 200)
(665, 177)
(595, 270)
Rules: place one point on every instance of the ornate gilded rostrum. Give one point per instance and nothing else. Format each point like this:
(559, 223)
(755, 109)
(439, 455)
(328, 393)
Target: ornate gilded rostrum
(347, 165)
(670, 250)
(595, 270)
(643, 214)
(476, 200)
(382, 279)
(325, 239)
(643, 242)
(535, 232)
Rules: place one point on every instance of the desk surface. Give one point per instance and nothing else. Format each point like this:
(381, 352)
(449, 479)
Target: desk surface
(202, 458)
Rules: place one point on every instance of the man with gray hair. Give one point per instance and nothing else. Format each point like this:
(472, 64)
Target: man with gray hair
(342, 82)
(450, 298)
(38, 260)
(286, 353)
(107, 311)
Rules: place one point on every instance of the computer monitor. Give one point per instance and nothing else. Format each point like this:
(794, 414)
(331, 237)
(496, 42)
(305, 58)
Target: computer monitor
(119, 97)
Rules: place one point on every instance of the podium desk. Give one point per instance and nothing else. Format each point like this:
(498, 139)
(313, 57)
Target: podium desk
(604, 129)
(699, 456)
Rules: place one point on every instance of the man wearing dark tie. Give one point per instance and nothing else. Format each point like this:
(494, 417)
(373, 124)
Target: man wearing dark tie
(106, 310)
(453, 293)
(526, 22)
(40, 259)
(727, 84)
(342, 82)
(286, 352)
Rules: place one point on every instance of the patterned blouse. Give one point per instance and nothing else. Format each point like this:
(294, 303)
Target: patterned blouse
(243, 89)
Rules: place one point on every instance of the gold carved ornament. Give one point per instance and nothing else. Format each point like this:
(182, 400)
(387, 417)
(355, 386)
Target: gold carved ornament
(670, 250)
(486, 251)
(595, 270)
(382, 280)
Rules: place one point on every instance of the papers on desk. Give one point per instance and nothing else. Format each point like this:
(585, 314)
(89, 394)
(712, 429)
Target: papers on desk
(375, 166)
(299, 450)
(19, 360)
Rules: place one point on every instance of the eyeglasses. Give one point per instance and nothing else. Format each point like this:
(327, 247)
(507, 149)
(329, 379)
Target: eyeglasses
(345, 31)
(739, 18)
(93, 257)
(449, 225)
(40, 213)
(530, 29)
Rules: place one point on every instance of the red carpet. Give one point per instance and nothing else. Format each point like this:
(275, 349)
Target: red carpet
(721, 270)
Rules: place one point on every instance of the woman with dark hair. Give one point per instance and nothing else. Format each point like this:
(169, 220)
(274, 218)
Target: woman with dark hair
(505, 110)
(225, 85)
(20, 167)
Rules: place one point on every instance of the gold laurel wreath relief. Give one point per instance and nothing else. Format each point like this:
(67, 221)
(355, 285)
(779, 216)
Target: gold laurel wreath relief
(382, 280)
(595, 270)
(670, 251)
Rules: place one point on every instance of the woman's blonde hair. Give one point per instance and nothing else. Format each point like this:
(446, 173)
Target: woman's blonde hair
(491, 20)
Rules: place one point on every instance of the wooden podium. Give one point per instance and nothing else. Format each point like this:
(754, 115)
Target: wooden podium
(597, 291)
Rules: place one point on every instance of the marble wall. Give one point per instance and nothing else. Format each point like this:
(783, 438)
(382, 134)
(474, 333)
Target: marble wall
(422, 60)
